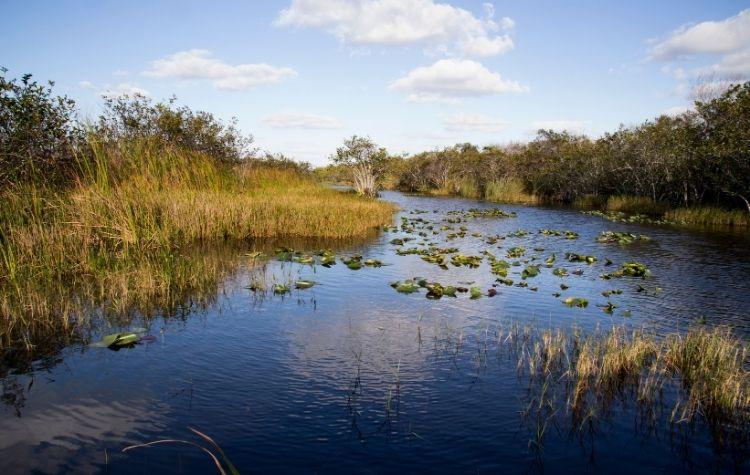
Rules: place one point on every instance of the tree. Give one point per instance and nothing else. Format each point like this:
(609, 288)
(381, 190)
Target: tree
(365, 161)
(39, 135)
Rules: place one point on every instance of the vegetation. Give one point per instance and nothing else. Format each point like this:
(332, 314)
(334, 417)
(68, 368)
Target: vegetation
(121, 211)
(365, 162)
(702, 373)
(698, 161)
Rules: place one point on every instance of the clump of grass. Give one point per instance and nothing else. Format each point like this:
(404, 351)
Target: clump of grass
(705, 368)
(707, 215)
(122, 236)
(635, 205)
(508, 190)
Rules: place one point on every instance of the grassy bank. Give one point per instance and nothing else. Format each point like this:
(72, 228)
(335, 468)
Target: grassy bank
(121, 238)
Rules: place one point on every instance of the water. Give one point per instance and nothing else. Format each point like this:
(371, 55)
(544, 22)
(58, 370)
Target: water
(352, 377)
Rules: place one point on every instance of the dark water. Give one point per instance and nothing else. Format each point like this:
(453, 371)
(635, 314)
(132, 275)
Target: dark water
(352, 377)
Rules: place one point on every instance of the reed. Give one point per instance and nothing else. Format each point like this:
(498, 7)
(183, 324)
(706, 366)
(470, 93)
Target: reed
(707, 215)
(705, 368)
(509, 190)
(122, 236)
(635, 205)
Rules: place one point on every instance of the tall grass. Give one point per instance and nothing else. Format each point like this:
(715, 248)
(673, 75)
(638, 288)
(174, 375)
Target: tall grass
(635, 205)
(700, 375)
(508, 190)
(707, 215)
(122, 237)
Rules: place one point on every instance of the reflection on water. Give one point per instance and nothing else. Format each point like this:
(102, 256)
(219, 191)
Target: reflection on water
(351, 376)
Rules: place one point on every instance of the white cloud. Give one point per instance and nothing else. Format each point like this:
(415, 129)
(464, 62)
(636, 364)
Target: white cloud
(708, 37)
(301, 120)
(199, 64)
(123, 88)
(473, 122)
(573, 126)
(728, 40)
(449, 79)
(440, 26)
(87, 85)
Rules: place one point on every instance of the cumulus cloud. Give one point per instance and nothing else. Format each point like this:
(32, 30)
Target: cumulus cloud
(728, 39)
(573, 126)
(712, 37)
(450, 79)
(440, 26)
(301, 120)
(473, 122)
(199, 64)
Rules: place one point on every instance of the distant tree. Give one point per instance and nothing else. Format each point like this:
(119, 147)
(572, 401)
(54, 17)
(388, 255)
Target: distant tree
(365, 161)
(727, 140)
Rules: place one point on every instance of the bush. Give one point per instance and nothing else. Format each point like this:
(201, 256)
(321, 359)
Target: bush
(137, 117)
(39, 135)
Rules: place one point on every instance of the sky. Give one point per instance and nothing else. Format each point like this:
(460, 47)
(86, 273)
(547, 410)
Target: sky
(300, 76)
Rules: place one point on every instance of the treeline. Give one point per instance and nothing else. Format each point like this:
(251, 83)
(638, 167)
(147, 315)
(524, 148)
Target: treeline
(700, 157)
(43, 140)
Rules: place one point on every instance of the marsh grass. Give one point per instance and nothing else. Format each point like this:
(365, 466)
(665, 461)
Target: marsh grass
(697, 377)
(635, 205)
(707, 215)
(121, 238)
(509, 190)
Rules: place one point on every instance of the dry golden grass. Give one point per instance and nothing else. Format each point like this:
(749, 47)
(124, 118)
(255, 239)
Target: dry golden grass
(123, 236)
(708, 368)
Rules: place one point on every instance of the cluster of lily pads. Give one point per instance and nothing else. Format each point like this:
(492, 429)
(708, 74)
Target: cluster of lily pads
(435, 290)
(515, 255)
(620, 217)
(416, 238)
(620, 238)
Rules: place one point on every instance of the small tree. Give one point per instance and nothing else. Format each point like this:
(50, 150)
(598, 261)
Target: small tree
(365, 161)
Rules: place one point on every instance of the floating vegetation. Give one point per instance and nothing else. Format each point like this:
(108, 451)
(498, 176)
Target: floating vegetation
(499, 267)
(550, 261)
(515, 252)
(620, 217)
(280, 289)
(406, 287)
(573, 257)
(459, 260)
(607, 293)
(518, 233)
(579, 302)
(629, 269)
(123, 339)
(609, 308)
(530, 271)
(373, 263)
(475, 293)
(304, 284)
(254, 254)
(560, 272)
(435, 290)
(620, 238)
(488, 213)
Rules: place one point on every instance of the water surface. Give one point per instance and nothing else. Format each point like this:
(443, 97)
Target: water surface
(352, 377)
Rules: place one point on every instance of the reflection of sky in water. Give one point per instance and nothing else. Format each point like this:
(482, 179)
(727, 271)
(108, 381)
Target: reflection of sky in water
(351, 376)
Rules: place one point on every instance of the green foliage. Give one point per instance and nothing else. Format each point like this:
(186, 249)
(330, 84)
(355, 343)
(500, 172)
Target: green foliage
(694, 159)
(137, 117)
(38, 133)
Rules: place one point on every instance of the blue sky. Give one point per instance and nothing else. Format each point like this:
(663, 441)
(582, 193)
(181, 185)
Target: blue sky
(413, 74)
